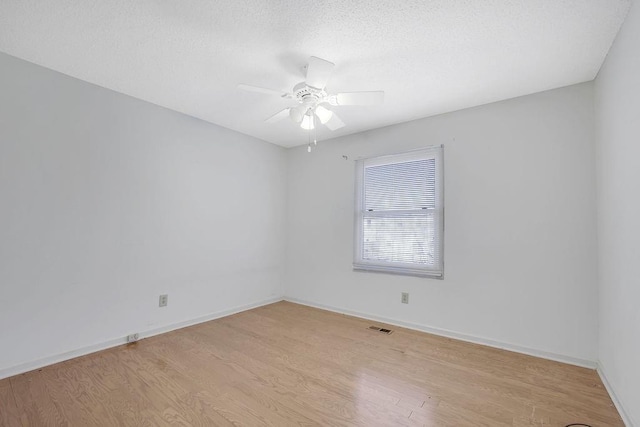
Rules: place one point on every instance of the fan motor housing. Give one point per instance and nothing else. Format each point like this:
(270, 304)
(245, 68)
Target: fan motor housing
(307, 94)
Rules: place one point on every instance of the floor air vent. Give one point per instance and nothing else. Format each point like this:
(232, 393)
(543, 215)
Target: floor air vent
(383, 330)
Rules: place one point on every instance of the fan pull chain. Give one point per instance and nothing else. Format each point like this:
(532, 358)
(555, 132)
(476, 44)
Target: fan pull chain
(309, 141)
(312, 128)
(313, 120)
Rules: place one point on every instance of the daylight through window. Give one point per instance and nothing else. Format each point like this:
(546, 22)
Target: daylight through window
(399, 213)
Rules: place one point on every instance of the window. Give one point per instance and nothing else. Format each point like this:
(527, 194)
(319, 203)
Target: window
(400, 214)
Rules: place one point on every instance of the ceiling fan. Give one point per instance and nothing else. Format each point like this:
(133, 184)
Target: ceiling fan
(312, 103)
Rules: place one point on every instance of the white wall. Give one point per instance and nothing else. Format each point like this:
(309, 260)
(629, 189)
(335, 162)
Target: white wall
(520, 240)
(618, 154)
(108, 201)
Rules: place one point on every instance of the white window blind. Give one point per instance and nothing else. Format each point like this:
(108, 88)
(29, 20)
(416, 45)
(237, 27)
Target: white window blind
(399, 213)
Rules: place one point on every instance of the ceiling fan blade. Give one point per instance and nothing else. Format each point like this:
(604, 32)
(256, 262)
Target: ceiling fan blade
(250, 88)
(318, 72)
(278, 116)
(360, 98)
(334, 122)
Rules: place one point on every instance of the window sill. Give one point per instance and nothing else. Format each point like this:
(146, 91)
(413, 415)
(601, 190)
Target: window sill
(402, 271)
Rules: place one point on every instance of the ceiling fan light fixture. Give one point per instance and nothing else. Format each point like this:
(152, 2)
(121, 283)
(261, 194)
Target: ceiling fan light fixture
(307, 122)
(297, 113)
(311, 102)
(323, 114)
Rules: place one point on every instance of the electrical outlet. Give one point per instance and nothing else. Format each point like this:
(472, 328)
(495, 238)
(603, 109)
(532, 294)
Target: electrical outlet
(405, 298)
(163, 300)
(132, 337)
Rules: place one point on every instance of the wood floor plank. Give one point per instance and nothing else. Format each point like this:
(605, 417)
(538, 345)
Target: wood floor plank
(288, 364)
(322, 396)
(340, 381)
(8, 409)
(379, 367)
(586, 394)
(36, 407)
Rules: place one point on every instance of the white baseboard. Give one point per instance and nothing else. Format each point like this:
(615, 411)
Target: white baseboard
(455, 335)
(50, 360)
(616, 401)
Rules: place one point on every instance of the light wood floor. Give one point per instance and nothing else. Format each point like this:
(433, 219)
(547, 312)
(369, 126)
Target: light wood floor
(287, 364)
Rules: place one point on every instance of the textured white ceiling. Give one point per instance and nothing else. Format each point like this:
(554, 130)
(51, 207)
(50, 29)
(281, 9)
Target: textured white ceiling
(429, 57)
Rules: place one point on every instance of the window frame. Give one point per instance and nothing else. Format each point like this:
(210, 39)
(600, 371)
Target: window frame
(411, 269)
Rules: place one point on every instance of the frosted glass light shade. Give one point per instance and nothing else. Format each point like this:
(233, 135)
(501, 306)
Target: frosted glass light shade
(323, 114)
(297, 113)
(306, 123)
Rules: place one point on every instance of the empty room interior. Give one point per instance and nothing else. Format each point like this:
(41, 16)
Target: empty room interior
(320, 213)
